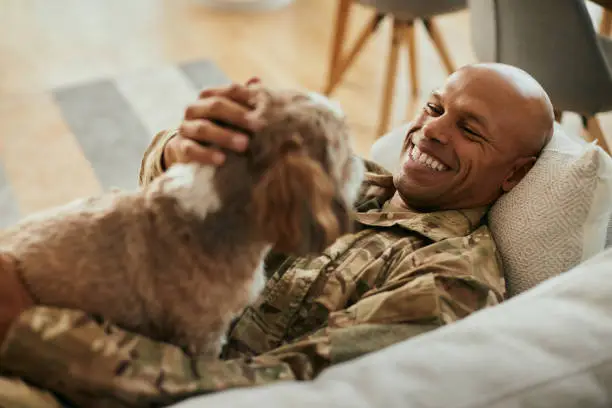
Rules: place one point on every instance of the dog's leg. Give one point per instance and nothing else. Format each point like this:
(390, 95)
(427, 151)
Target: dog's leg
(205, 344)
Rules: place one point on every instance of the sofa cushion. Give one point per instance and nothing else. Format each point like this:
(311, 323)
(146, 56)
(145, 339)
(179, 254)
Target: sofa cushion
(548, 347)
(555, 218)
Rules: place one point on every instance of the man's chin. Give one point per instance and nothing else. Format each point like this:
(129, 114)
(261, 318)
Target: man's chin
(427, 181)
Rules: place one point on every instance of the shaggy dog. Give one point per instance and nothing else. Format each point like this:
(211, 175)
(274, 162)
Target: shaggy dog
(178, 259)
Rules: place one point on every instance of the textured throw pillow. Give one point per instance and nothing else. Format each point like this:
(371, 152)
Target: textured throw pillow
(555, 218)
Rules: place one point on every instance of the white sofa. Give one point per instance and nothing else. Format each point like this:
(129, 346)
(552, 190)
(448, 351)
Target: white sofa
(549, 346)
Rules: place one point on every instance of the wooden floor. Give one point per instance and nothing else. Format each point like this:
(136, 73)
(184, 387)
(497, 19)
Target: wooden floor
(46, 44)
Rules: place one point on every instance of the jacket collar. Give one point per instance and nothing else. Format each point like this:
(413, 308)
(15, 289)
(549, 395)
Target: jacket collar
(378, 188)
(436, 225)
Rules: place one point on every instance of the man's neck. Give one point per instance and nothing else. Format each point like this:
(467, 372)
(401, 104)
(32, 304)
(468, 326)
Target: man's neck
(397, 202)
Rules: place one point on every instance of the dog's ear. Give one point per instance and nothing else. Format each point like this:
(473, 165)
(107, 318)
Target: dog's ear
(295, 204)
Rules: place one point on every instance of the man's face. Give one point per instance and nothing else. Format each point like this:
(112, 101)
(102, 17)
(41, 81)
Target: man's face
(462, 147)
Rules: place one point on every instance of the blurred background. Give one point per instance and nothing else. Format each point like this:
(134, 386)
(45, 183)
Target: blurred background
(85, 84)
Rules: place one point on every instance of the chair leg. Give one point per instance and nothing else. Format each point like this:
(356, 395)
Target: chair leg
(605, 27)
(594, 130)
(413, 66)
(387, 101)
(343, 64)
(412, 59)
(558, 115)
(342, 16)
(436, 38)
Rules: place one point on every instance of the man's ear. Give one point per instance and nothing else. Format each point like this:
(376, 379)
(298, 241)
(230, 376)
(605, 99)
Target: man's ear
(520, 169)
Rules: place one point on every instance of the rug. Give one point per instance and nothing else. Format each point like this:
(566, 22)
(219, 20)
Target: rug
(114, 119)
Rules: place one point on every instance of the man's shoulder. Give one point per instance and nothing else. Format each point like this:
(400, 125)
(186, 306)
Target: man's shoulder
(475, 254)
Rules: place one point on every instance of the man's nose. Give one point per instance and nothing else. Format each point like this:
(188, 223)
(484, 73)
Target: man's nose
(437, 130)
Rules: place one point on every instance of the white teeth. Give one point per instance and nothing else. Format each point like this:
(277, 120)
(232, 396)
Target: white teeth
(415, 153)
(426, 160)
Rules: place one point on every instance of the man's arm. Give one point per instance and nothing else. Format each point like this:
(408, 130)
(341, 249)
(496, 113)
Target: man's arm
(91, 363)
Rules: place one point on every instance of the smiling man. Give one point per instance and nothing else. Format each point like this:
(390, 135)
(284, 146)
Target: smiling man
(422, 256)
(475, 139)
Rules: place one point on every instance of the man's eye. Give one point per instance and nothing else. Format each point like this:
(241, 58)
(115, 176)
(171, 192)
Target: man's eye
(431, 108)
(471, 132)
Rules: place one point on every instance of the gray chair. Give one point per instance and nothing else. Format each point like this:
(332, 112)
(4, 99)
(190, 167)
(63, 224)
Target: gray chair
(403, 13)
(555, 41)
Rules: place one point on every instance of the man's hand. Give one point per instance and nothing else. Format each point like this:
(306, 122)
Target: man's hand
(14, 297)
(219, 119)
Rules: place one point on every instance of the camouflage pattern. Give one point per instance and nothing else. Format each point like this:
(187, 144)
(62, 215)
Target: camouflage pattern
(399, 275)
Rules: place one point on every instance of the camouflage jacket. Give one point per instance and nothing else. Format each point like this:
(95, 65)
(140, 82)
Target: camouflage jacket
(399, 275)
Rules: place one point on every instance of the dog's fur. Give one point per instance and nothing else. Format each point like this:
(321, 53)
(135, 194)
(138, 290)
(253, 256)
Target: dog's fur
(176, 260)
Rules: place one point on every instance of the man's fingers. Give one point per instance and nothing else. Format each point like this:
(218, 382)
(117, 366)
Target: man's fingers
(191, 151)
(241, 94)
(208, 92)
(207, 131)
(223, 110)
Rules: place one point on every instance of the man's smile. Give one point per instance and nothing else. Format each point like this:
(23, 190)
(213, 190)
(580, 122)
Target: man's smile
(418, 159)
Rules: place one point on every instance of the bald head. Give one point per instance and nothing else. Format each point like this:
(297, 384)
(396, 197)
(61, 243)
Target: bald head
(529, 115)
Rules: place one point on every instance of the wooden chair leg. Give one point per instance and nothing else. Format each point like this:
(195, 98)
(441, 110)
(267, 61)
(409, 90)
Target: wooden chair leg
(594, 130)
(436, 38)
(343, 64)
(413, 66)
(387, 100)
(605, 27)
(343, 12)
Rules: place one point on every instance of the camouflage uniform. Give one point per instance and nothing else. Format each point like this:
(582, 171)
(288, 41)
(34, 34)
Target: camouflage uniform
(399, 275)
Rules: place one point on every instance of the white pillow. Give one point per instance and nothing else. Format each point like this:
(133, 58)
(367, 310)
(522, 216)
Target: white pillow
(555, 218)
(387, 149)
